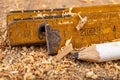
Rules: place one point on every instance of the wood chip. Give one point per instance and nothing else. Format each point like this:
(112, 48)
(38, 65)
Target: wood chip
(117, 67)
(115, 40)
(114, 2)
(29, 76)
(81, 23)
(68, 41)
(40, 67)
(91, 74)
(1, 56)
(65, 50)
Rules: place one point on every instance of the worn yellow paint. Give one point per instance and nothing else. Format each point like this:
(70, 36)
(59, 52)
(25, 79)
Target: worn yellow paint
(106, 30)
(102, 26)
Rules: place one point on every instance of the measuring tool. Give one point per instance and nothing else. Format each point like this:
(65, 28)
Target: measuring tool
(102, 26)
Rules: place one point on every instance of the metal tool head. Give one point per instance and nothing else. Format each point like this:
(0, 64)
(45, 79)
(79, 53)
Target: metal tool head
(53, 39)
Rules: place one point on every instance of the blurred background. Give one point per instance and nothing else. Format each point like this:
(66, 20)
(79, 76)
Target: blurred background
(33, 63)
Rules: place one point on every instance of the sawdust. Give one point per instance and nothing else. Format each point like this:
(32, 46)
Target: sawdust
(116, 40)
(91, 74)
(113, 1)
(1, 56)
(32, 62)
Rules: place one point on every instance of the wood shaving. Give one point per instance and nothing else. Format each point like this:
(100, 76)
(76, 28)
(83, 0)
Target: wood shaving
(29, 76)
(82, 22)
(91, 74)
(1, 56)
(68, 42)
(6, 76)
(14, 72)
(113, 1)
(39, 15)
(64, 50)
(116, 40)
(117, 67)
(87, 1)
(69, 13)
(32, 62)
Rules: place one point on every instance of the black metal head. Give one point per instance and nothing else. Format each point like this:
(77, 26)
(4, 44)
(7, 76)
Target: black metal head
(53, 39)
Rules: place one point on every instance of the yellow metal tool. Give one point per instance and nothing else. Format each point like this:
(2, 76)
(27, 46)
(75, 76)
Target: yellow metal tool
(102, 26)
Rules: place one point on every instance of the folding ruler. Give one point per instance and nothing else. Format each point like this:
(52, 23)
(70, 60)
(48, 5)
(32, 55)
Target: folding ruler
(55, 26)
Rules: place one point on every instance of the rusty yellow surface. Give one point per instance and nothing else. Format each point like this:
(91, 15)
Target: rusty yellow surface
(49, 12)
(102, 26)
(34, 13)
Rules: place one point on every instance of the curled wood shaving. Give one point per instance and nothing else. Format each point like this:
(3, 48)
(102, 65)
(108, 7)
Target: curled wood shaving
(39, 15)
(117, 67)
(87, 1)
(1, 56)
(64, 50)
(29, 76)
(114, 2)
(69, 13)
(40, 65)
(82, 22)
(31, 58)
(6, 76)
(68, 41)
(14, 72)
(115, 40)
(91, 74)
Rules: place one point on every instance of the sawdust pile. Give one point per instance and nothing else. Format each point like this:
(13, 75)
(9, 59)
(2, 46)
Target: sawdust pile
(33, 63)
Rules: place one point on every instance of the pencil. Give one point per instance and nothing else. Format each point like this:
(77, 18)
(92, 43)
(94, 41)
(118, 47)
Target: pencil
(99, 52)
